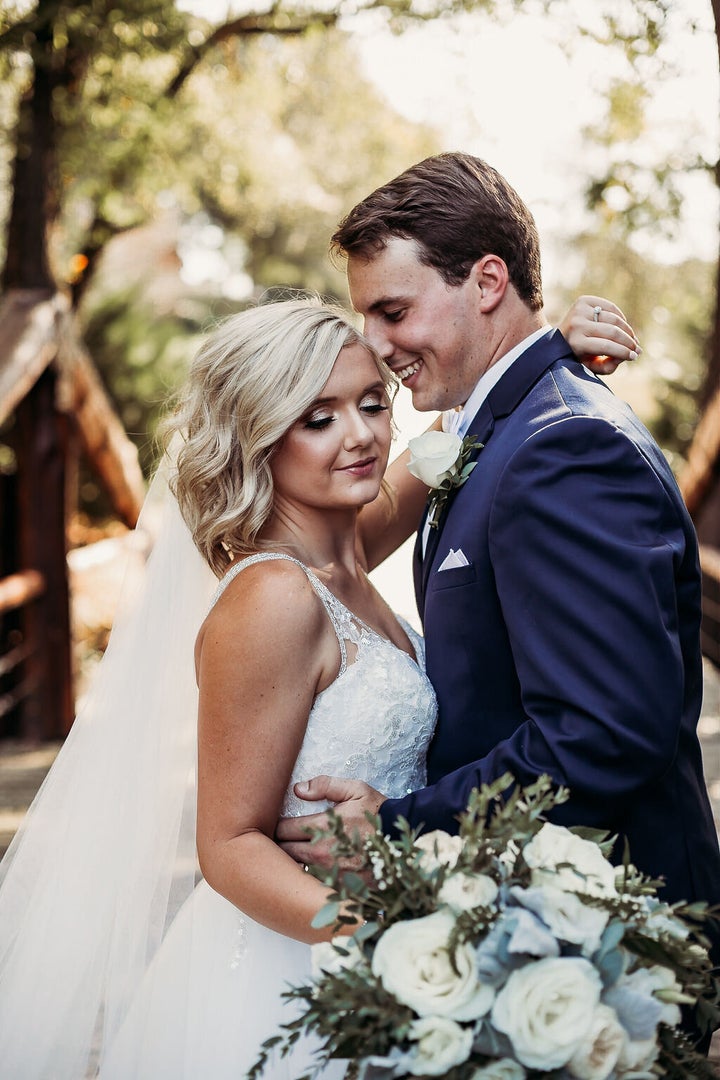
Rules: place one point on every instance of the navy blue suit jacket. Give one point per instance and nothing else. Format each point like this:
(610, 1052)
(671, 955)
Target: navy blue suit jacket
(570, 643)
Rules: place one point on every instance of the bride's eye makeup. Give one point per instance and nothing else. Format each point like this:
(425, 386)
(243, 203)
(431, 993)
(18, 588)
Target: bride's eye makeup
(374, 407)
(318, 423)
(373, 402)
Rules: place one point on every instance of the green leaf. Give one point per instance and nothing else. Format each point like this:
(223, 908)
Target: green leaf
(612, 936)
(326, 916)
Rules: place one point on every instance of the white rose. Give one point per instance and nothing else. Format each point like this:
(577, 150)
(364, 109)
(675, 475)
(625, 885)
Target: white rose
(503, 1069)
(439, 849)
(597, 1057)
(324, 956)
(462, 892)
(546, 1009)
(587, 871)
(565, 915)
(413, 963)
(637, 1055)
(433, 455)
(441, 1044)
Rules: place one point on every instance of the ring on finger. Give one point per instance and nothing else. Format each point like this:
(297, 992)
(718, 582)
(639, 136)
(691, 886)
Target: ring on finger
(597, 312)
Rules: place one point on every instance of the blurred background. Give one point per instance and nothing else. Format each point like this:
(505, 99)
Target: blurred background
(164, 164)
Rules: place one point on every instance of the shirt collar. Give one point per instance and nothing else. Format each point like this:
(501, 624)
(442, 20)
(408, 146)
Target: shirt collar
(459, 420)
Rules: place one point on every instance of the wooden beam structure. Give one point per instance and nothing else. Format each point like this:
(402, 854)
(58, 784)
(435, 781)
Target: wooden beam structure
(710, 628)
(700, 472)
(49, 385)
(37, 329)
(29, 331)
(109, 452)
(16, 590)
(43, 441)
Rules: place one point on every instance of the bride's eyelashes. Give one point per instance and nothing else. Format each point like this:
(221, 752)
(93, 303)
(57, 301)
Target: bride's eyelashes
(319, 423)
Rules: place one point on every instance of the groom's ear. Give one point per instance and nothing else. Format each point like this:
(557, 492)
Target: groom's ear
(491, 278)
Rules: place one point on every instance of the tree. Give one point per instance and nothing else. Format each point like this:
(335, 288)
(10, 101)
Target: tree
(630, 196)
(120, 106)
(671, 309)
(95, 70)
(113, 132)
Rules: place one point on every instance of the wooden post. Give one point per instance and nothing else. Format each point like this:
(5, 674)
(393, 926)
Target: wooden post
(43, 447)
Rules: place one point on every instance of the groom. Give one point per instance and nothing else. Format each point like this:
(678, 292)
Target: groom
(562, 635)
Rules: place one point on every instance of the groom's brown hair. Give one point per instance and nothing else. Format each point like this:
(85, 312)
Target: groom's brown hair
(457, 208)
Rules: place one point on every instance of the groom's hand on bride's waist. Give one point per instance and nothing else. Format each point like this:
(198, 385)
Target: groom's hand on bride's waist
(353, 799)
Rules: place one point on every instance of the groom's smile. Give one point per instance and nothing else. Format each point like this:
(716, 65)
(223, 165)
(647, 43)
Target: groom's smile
(404, 373)
(428, 331)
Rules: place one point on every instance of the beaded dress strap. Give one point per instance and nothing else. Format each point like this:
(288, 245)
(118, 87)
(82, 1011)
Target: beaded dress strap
(337, 612)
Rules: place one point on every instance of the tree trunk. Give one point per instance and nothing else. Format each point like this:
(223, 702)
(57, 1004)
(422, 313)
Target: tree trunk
(33, 183)
(43, 453)
(712, 375)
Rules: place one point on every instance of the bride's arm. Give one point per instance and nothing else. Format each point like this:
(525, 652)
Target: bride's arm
(264, 652)
(385, 523)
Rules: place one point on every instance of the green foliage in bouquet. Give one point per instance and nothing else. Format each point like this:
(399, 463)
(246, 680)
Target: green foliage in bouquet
(513, 950)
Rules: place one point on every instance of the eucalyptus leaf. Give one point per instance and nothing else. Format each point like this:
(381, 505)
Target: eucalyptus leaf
(326, 916)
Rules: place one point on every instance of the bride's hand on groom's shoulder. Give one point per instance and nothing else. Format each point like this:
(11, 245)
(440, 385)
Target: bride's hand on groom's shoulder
(353, 800)
(599, 334)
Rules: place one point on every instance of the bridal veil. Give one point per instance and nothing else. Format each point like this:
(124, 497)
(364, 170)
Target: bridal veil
(106, 855)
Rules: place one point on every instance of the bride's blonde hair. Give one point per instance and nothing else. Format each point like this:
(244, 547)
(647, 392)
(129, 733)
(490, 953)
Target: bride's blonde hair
(250, 382)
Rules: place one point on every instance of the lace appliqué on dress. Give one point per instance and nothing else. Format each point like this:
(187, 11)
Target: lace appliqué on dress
(375, 721)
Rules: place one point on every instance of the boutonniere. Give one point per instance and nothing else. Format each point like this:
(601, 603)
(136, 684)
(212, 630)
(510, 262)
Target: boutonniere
(442, 461)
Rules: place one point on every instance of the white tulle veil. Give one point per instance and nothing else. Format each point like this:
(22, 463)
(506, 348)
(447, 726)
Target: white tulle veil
(106, 854)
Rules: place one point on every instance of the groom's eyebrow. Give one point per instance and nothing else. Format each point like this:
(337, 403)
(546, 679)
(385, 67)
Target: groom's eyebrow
(377, 305)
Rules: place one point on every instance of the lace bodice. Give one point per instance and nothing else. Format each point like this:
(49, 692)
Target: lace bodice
(374, 722)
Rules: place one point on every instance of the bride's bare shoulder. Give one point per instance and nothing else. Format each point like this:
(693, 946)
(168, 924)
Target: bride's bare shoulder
(269, 600)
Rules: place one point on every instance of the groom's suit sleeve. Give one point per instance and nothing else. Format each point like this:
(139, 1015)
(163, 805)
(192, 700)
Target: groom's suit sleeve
(591, 552)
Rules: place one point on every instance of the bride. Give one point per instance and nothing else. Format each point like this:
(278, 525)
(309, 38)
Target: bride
(119, 958)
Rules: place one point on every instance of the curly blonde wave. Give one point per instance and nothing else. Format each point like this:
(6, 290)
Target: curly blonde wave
(252, 379)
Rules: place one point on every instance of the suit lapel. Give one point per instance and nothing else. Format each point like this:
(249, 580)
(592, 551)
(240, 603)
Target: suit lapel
(504, 397)
(481, 426)
(418, 576)
(521, 376)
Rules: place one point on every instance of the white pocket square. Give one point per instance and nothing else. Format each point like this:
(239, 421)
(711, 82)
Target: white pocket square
(453, 559)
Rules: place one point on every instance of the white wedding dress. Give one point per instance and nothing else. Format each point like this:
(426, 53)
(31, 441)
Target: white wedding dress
(213, 991)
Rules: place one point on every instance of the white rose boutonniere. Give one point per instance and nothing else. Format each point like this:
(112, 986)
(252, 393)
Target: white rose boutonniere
(442, 461)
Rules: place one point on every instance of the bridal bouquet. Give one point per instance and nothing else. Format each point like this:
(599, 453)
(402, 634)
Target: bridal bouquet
(512, 950)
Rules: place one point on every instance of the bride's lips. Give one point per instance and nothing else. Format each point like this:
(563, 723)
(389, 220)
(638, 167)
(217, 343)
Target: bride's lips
(360, 468)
